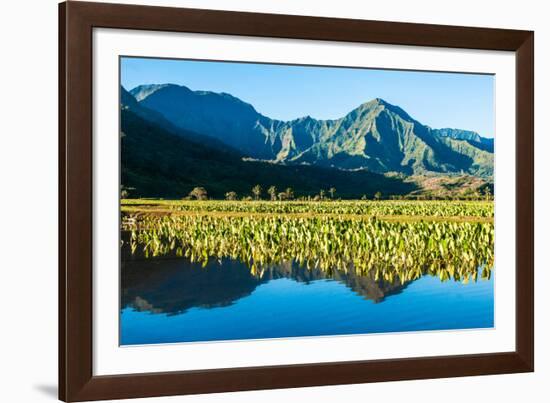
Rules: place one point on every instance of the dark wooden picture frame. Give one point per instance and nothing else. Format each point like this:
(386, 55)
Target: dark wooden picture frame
(76, 23)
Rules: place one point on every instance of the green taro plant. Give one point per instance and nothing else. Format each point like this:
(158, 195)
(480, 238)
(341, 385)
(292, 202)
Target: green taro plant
(480, 209)
(389, 250)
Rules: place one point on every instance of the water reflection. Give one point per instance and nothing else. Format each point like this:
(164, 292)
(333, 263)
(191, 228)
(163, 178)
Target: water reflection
(173, 286)
(172, 301)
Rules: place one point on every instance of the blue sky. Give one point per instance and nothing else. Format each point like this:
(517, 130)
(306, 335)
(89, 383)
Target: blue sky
(463, 101)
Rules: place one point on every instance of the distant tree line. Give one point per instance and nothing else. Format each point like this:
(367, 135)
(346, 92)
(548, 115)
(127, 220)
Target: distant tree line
(256, 193)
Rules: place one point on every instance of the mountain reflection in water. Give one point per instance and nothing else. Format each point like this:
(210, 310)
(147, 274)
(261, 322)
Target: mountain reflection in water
(173, 286)
(169, 300)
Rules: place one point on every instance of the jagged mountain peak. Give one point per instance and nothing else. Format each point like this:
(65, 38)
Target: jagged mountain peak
(378, 101)
(381, 105)
(377, 106)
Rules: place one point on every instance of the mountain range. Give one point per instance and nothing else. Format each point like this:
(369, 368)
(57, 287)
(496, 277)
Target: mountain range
(174, 138)
(376, 135)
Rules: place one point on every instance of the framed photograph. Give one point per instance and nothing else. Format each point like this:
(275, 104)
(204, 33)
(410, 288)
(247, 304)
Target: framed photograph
(253, 201)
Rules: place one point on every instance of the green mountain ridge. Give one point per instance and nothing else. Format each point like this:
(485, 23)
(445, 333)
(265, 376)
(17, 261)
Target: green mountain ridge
(157, 162)
(376, 136)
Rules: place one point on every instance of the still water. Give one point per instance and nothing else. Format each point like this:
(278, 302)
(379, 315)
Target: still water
(174, 300)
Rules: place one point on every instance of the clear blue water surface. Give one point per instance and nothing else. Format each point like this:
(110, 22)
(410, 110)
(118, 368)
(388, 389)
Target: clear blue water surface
(173, 300)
